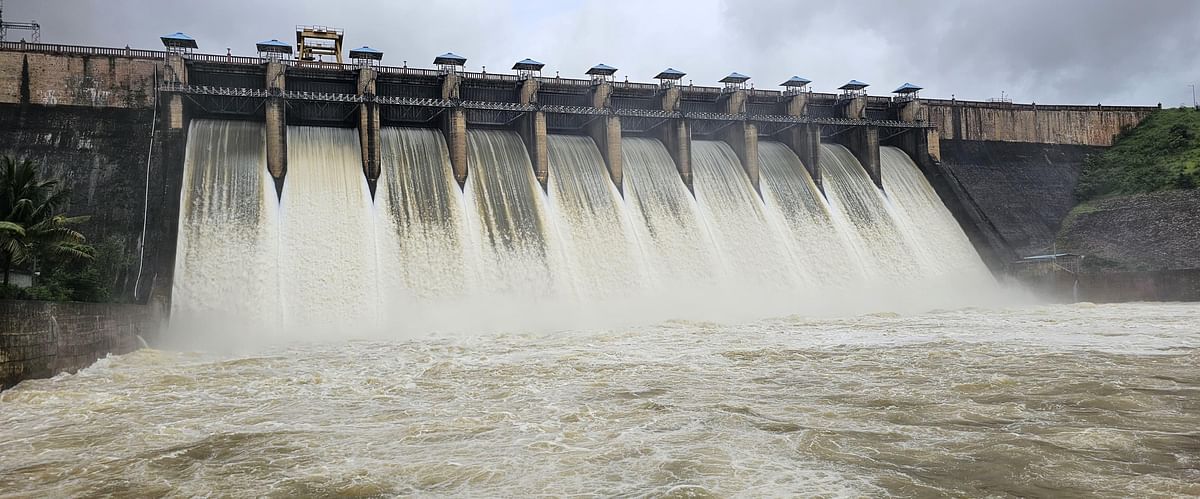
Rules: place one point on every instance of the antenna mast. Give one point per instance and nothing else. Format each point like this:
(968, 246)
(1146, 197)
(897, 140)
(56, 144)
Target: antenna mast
(32, 26)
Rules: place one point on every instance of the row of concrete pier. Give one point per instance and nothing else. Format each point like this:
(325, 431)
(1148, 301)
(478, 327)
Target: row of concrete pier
(658, 112)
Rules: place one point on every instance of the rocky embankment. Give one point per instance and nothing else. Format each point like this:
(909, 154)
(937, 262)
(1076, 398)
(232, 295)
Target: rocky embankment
(1139, 232)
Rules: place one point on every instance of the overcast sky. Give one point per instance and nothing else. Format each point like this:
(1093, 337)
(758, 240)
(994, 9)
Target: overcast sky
(1047, 51)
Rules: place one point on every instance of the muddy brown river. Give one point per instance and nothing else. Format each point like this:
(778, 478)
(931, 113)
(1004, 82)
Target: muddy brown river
(1051, 401)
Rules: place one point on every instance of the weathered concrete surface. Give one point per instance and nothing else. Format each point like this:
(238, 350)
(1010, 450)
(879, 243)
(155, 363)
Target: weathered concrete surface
(1023, 190)
(1078, 125)
(276, 117)
(863, 142)
(454, 127)
(41, 339)
(101, 155)
(76, 80)
(368, 128)
(743, 139)
(532, 129)
(606, 134)
(677, 137)
(1143, 232)
(1110, 287)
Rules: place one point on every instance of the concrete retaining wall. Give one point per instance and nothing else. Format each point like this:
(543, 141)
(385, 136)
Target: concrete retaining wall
(1077, 125)
(101, 154)
(1023, 190)
(1112, 287)
(41, 339)
(76, 80)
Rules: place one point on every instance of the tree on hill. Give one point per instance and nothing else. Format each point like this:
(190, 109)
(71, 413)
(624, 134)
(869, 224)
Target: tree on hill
(31, 226)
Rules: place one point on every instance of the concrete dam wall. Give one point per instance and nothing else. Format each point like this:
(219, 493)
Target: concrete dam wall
(89, 115)
(41, 339)
(1032, 123)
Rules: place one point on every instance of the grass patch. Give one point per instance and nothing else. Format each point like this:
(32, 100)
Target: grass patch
(1162, 153)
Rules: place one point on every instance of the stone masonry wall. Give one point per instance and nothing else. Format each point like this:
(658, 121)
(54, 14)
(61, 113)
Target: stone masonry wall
(76, 80)
(41, 339)
(1006, 122)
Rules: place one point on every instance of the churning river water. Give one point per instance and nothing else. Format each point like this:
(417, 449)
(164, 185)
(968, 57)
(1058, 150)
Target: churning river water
(1070, 400)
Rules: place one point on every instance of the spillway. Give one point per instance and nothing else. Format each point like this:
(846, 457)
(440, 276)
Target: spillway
(511, 247)
(680, 258)
(422, 234)
(856, 203)
(502, 253)
(598, 257)
(822, 246)
(226, 268)
(938, 243)
(327, 247)
(753, 252)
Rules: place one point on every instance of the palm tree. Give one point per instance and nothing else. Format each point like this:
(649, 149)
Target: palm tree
(29, 222)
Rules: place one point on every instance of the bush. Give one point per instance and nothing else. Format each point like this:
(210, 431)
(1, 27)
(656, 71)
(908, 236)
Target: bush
(10, 292)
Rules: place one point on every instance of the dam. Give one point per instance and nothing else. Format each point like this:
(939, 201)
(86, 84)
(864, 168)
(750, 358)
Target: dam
(507, 250)
(406, 127)
(367, 280)
(363, 196)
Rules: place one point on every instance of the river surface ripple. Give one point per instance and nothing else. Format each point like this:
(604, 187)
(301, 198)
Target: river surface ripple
(1074, 400)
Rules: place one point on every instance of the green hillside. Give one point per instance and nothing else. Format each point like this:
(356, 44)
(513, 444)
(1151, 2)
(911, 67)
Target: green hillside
(1161, 153)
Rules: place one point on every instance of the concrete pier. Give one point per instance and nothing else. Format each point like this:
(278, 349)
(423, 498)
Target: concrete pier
(862, 141)
(450, 86)
(529, 91)
(805, 139)
(606, 133)
(735, 101)
(670, 99)
(368, 127)
(602, 95)
(276, 122)
(532, 129)
(454, 127)
(797, 104)
(677, 137)
(743, 138)
(175, 71)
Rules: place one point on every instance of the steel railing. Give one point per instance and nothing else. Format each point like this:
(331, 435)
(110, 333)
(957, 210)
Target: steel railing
(524, 108)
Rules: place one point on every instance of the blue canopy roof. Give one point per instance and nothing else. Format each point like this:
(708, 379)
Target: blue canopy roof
(670, 74)
(450, 58)
(854, 85)
(796, 81)
(735, 77)
(601, 69)
(178, 39)
(274, 45)
(906, 88)
(528, 65)
(365, 52)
